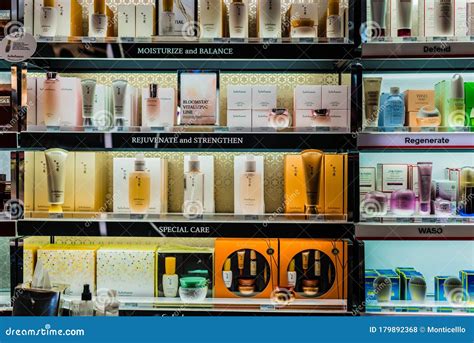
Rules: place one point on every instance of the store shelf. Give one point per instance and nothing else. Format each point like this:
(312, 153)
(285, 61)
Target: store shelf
(414, 231)
(416, 140)
(8, 140)
(175, 225)
(7, 227)
(426, 307)
(406, 65)
(179, 140)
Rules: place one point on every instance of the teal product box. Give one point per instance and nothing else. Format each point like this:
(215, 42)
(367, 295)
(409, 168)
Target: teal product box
(439, 288)
(370, 276)
(467, 278)
(406, 273)
(395, 279)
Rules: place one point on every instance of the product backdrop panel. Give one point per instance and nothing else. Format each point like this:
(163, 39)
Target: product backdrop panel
(4, 264)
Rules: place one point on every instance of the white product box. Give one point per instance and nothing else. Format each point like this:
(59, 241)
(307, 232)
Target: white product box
(239, 106)
(264, 99)
(28, 19)
(199, 104)
(126, 20)
(145, 21)
(158, 169)
(367, 179)
(167, 108)
(307, 98)
(207, 168)
(103, 113)
(31, 101)
(392, 177)
(460, 27)
(239, 169)
(413, 178)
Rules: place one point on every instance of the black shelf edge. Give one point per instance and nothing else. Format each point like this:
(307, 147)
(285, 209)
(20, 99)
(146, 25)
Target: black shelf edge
(186, 140)
(196, 229)
(7, 228)
(418, 65)
(414, 231)
(8, 140)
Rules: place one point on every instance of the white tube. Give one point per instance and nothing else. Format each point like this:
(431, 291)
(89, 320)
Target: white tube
(120, 90)
(88, 93)
(55, 169)
(379, 12)
(404, 14)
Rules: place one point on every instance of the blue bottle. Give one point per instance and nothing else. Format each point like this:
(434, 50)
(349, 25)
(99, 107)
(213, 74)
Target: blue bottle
(394, 109)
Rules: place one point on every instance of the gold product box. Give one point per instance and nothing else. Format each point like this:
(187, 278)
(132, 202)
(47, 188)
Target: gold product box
(335, 174)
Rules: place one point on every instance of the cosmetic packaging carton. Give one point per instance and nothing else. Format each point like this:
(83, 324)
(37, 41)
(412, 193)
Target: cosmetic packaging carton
(126, 20)
(6, 108)
(240, 164)
(130, 270)
(336, 100)
(469, 100)
(295, 185)
(406, 273)
(454, 174)
(184, 16)
(239, 106)
(239, 251)
(103, 109)
(69, 17)
(449, 100)
(167, 108)
(439, 288)
(370, 276)
(307, 102)
(467, 278)
(29, 181)
(391, 177)
(28, 16)
(190, 261)
(41, 202)
(72, 265)
(335, 180)
(206, 164)
(158, 170)
(264, 99)
(90, 182)
(30, 252)
(145, 22)
(414, 100)
(366, 179)
(69, 97)
(381, 114)
(198, 98)
(447, 190)
(31, 101)
(303, 11)
(460, 19)
(395, 279)
(326, 267)
(413, 178)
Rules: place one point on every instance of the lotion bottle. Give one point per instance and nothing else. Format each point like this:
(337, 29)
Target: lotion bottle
(152, 105)
(211, 18)
(269, 18)
(99, 22)
(227, 273)
(253, 263)
(238, 19)
(170, 279)
(139, 187)
(86, 307)
(394, 109)
(167, 18)
(334, 20)
(48, 18)
(193, 189)
(291, 274)
(52, 100)
(457, 107)
(250, 188)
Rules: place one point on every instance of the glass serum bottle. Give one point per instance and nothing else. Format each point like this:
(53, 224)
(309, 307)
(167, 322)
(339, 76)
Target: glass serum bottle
(139, 187)
(193, 189)
(250, 188)
(394, 109)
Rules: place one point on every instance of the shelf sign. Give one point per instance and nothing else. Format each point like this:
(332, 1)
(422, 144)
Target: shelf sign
(178, 230)
(181, 51)
(454, 140)
(414, 232)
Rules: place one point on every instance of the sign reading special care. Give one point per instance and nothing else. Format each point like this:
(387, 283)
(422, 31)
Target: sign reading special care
(458, 140)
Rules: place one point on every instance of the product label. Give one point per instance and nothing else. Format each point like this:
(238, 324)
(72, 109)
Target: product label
(435, 140)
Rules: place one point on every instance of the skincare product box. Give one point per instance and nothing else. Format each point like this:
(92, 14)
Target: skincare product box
(185, 16)
(336, 99)
(68, 17)
(414, 101)
(198, 98)
(206, 164)
(392, 177)
(467, 278)
(248, 184)
(367, 179)
(469, 97)
(31, 101)
(126, 20)
(294, 183)
(72, 265)
(29, 181)
(370, 276)
(30, 252)
(406, 273)
(442, 94)
(454, 174)
(335, 180)
(103, 117)
(439, 288)
(264, 99)
(413, 178)
(145, 21)
(166, 116)
(89, 175)
(460, 19)
(130, 270)
(158, 169)
(239, 106)
(306, 103)
(395, 280)
(187, 261)
(28, 16)
(315, 260)
(253, 267)
(447, 190)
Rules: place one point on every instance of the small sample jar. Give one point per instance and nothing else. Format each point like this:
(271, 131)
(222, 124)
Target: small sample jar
(192, 289)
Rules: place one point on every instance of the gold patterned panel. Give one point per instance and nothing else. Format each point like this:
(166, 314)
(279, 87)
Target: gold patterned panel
(147, 241)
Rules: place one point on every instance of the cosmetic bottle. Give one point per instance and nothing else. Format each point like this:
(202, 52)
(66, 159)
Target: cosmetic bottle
(382, 288)
(269, 18)
(467, 191)
(305, 262)
(227, 273)
(250, 188)
(292, 276)
(417, 287)
(403, 202)
(404, 18)
(238, 19)
(241, 261)
(167, 18)
(152, 105)
(170, 279)
(99, 22)
(374, 204)
(253, 263)
(457, 107)
(378, 10)
(424, 186)
(317, 267)
(470, 18)
(394, 109)
(334, 20)
(428, 117)
(51, 100)
(88, 99)
(86, 307)
(453, 290)
(119, 88)
(193, 189)
(139, 187)
(48, 18)
(312, 161)
(302, 28)
(211, 18)
(444, 18)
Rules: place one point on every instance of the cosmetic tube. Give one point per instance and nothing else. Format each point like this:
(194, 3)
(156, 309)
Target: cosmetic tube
(379, 11)
(467, 191)
(55, 170)
(240, 260)
(305, 261)
(88, 94)
(470, 18)
(312, 160)
(424, 184)
(120, 91)
(372, 87)
(404, 18)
